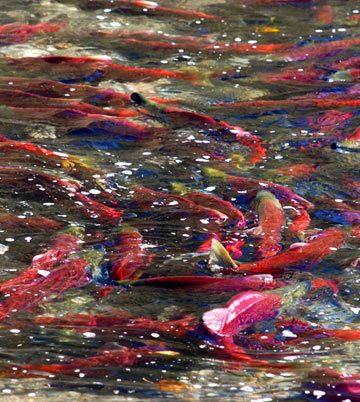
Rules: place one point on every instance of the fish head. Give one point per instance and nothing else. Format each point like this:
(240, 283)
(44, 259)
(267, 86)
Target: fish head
(215, 320)
(267, 196)
(138, 99)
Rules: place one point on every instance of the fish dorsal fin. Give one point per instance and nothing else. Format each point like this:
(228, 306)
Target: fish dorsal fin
(219, 257)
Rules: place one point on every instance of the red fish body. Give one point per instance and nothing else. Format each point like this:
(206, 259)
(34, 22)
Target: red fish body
(59, 247)
(209, 283)
(241, 312)
(287, 104)
(156, 42)
(147, 198)
(304, 254)
(130, 257)
(300, 219)
(87, 68)
(38, 223)
(146, 8)
(287, 198)
(180, 117)
(73, 118)
(122, 357)
(72, 273)
(246, 48)
(70, 163)
(271, 220)
(21, 33)
(232, 244)
(320, 49)
(298, 171)
(57, 187)
(251, 186)
(304, 330)
(55, 89)
(214, 202)
(275, 2)
(123, 321)
(17, 98)
(150, 41)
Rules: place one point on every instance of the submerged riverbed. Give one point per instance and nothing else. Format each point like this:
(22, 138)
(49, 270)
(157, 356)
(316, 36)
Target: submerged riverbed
(141, 141)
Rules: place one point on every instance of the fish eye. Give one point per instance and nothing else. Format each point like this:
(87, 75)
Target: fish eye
(136, 98)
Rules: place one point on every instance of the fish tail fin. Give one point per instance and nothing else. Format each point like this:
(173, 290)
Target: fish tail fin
(219, 257)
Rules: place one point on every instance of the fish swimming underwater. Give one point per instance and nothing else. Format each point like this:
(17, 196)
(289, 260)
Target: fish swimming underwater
(177, 117)
(271, 220)
(301, 255)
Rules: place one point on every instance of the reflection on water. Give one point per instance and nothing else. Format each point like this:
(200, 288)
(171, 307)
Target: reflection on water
(107, 191)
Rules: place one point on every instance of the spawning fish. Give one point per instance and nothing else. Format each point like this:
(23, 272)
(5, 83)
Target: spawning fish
(121, 357)
(18, 98)
(215, 202)
(150, 42)
(299, 254)
(87, 93)
(249, 187)
(59, 247)
(320, 49)
(145, 198)
(207, 283)
(241, 312)
(87, 69)
(73, 164)
(123, 321)
(290, 103)
(304, 330)
(55, 89)
(252, 186)
(21, 33)
(145, 8)
(177, 117)
(33, 224)
(69, 274)
(55, 187)
(271, 220)
(130, 257)
(298, 171)
(75, 119)
(232, 244)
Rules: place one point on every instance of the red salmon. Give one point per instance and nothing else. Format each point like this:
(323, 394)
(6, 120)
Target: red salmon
(241, 312)
(271, 221)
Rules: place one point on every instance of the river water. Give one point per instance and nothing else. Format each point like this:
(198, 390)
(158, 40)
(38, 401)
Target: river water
(302, 59)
